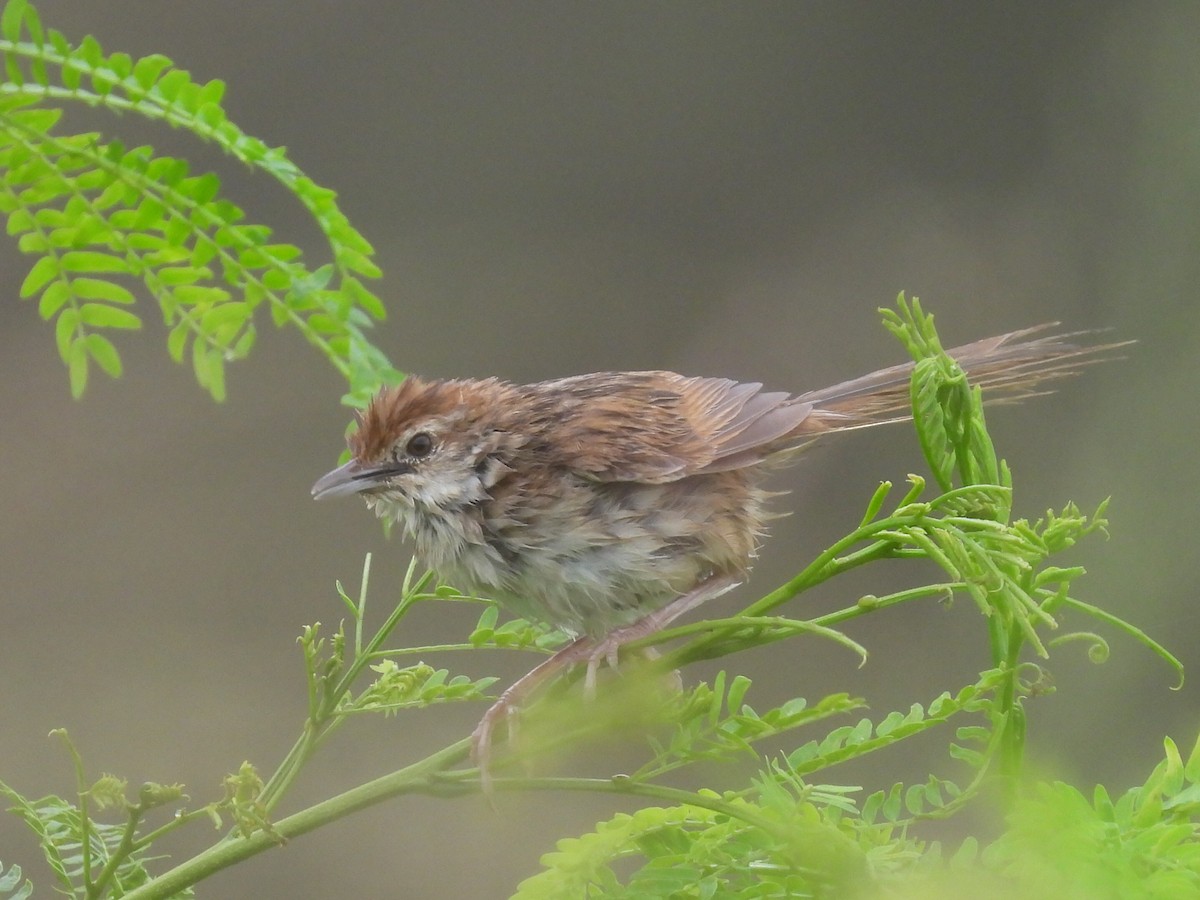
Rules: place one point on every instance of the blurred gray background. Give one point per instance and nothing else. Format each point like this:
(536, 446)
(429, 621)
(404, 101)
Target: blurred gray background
(556, 188)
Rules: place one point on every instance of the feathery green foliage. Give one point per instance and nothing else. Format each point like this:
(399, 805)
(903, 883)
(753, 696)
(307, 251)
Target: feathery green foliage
(90, 857)
(101, 218)
(12, 886)
(102, 221)
(787, 831)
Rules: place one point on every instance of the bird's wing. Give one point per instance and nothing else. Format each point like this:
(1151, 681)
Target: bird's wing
(659, 426)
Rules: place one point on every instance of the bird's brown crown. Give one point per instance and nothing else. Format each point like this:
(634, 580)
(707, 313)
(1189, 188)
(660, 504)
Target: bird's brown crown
(393, 410)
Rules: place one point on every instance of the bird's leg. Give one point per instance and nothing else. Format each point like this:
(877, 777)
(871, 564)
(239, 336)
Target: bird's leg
(509, 703)
(607, 648)
(582, 649)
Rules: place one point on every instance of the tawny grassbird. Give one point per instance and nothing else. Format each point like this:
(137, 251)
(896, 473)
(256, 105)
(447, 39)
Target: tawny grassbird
(609, 504)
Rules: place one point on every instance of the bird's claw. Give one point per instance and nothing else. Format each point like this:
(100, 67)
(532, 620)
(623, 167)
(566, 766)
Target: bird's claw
(608, 651)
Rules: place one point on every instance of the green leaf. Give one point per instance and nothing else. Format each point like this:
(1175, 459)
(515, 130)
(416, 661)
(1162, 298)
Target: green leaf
(98, 315)
(58, 293)
(122, 64)
(356, 262)
(200, 189)
(209, 367)
(200, 295)
(891, 804)
(93, 261)
(737, 693)
(20, 220)
(40, 275)
(91, 52)
(280, 315)
(972, 758)
(171, 85)
(32, 243)
(39, 118)
(11, 885)
(64, 331)
(102, 83)
(149, 214)
(77, 366)
(172, 276)
(286, 253)
(95, 289)
(230, 316)
(217, 377)
(243, 344)
(105, 354)
(914, 799)
(72, 73)
(890, 723)
(177, 340)
(147, 70)
(212, 92)
(276, 280)
(204, 251)
(12, 68)
(364, 298)
(10, 22)
(323, 324)
(200, 363)
(177, 231)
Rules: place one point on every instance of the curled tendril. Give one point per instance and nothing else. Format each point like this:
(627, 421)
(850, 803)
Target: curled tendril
(1098, 650)
(1033, 680)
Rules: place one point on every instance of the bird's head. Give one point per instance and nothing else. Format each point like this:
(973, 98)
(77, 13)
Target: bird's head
(428, 445)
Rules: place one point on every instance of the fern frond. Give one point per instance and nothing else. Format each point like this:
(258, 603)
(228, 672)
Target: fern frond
(853, 741)
(704, 732)
(61, 828)
(12, 886)
(414, 687)
(99, 216)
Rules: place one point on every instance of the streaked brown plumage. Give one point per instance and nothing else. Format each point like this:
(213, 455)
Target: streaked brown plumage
(608, 504)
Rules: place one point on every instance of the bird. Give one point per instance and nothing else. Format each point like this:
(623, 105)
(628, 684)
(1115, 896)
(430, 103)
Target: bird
(609, 504)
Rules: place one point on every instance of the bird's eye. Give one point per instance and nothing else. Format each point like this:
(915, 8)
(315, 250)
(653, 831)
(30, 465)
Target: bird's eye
(419, 445)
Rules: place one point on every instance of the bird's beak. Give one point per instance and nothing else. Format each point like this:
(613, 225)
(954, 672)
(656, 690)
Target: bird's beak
(352, 478)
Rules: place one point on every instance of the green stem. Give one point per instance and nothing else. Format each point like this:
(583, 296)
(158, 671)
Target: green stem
(286, 772)
(713, 645)
(365, 656)
(85, 816)
(323, 722)
(122, 851)
(828, 564)
(416, 778)
(863, 607)
(1012, 748)
(180, 819)
(745, 631)
(1131, 630)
